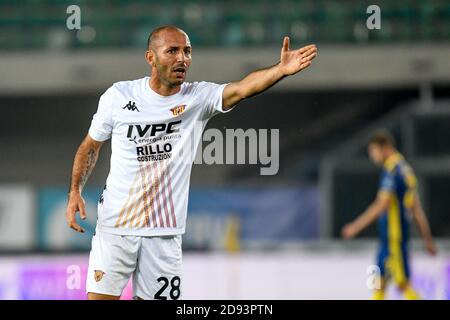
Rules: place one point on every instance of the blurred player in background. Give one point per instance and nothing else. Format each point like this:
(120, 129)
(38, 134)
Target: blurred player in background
(397, 201)
(142, 212)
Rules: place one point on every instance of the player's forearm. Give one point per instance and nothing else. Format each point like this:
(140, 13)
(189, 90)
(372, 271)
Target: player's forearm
(84, 162)
(291, 62)
(422, 223)
(368, 216)
(259, 81)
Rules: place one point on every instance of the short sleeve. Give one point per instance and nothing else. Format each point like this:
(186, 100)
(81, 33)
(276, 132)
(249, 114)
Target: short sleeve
(387, 182)
(102, 122)
(210, 95)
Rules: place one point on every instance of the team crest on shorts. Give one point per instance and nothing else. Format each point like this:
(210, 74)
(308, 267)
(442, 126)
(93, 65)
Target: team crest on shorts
(178, 109)
(98, 275)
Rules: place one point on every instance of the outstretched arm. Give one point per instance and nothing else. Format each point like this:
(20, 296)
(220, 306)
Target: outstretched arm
(84, 162)
(291, 62)
(422, 223)
(379, 206)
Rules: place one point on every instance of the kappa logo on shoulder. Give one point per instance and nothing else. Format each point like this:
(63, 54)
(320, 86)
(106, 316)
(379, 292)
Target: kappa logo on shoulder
(98, 275)
(131, 106)
(178, 110)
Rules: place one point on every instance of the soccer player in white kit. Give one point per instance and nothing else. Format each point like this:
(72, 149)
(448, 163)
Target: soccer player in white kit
(142, 211)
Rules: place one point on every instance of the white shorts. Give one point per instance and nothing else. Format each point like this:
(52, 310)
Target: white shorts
(154, 263)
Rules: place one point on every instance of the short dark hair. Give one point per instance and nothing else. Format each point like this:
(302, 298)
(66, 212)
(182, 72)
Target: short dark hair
(382, 137)
(157, 30)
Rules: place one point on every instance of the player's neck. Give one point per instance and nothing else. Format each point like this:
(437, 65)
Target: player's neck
(161, 88)
(390, 154)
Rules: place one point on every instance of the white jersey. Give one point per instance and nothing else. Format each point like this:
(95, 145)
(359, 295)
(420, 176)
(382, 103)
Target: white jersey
(154, 139)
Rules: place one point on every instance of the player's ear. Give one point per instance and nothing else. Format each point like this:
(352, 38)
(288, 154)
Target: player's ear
(149, 57)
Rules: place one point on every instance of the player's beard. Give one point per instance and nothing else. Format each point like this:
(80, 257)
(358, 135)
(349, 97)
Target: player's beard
(168, 76)
(179, 73)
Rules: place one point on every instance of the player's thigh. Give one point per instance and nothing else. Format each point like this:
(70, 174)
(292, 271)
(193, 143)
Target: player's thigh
(382, 260)
(112, 261)
(158, 273)
(400, 267)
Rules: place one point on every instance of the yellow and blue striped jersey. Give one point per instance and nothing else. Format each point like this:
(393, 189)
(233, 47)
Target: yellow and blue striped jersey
(399, 183)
